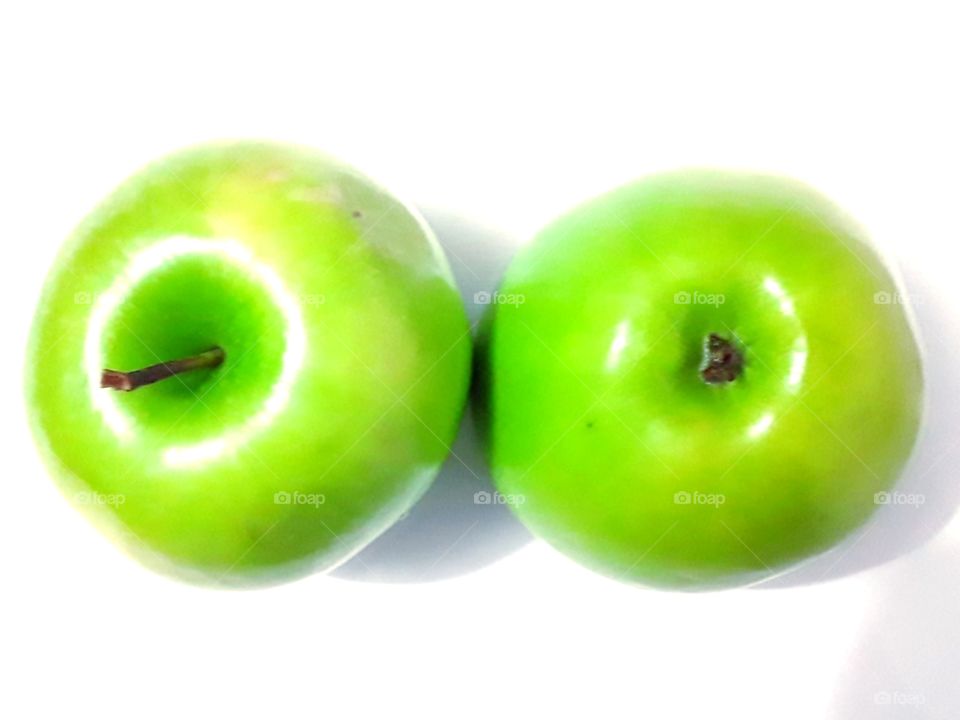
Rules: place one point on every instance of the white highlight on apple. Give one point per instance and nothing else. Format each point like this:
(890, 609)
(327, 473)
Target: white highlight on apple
(798, 363)
(618, 345)
(798, 358)
(761, 425)
(772, 286)
(140, 266)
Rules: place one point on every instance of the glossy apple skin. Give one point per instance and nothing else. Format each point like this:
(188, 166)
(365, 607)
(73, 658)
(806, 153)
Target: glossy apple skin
(347, 363)
(611, 445)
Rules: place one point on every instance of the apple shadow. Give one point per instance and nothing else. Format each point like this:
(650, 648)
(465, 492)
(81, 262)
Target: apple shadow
(929, 490)
(905, 660)
(457, 527)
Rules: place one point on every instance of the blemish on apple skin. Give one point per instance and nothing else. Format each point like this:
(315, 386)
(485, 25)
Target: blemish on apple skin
(590, 425)
(357, 214)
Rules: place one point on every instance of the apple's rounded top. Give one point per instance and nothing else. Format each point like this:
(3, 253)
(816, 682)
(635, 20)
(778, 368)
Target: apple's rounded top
(322, 299)
(718, 379)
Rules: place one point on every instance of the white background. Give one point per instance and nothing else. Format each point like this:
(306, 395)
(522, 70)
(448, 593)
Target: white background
(492, 119)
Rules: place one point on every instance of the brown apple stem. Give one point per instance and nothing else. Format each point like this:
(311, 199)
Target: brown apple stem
(128, 381)
(722, 361)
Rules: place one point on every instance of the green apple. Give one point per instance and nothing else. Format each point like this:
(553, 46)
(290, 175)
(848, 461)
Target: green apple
(698, 380)
(294, 350)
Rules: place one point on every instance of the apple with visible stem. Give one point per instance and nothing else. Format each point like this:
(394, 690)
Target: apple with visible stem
(248, 363)
(710, 377)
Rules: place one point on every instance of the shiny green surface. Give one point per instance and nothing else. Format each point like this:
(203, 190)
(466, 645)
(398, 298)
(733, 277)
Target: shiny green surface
(347, 361)
(627, 460)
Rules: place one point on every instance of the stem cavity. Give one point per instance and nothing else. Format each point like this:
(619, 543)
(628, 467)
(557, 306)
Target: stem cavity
(722, 361)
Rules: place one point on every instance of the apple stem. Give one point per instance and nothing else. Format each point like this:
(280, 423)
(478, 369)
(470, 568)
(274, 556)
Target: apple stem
(127, 381)
(722, 361)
